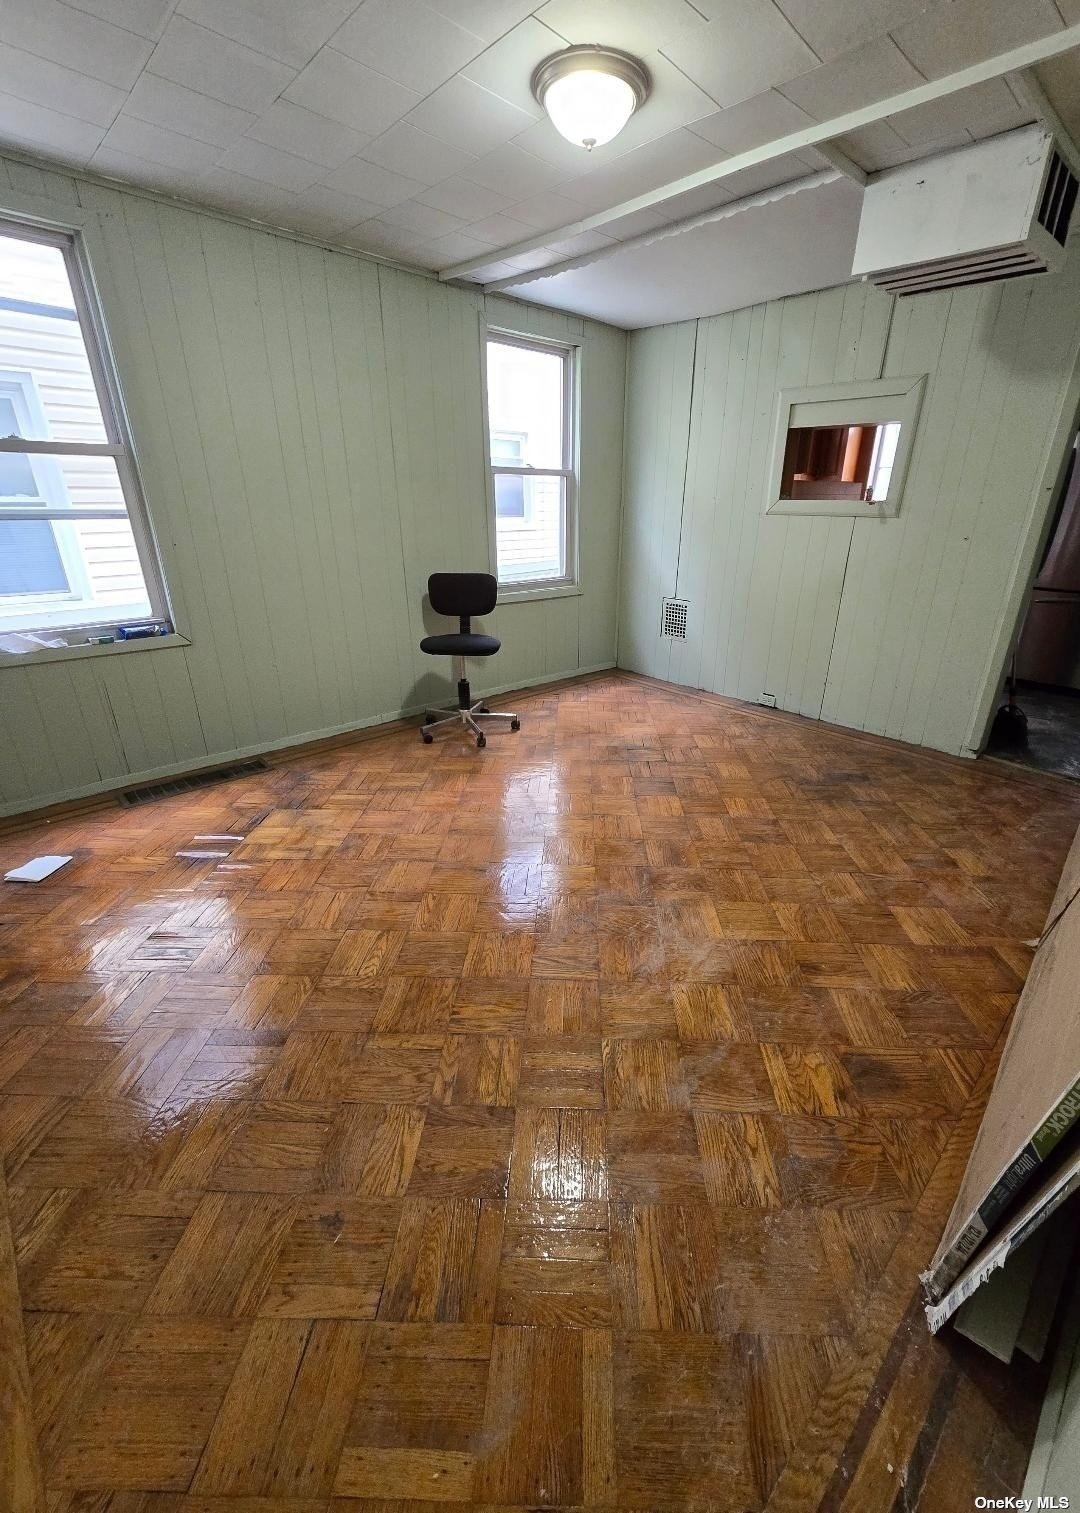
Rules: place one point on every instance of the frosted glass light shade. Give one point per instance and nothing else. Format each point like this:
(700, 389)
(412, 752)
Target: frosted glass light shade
(590, 93)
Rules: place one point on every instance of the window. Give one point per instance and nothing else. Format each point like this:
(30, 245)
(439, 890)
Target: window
(839, 462)
(75, 553)
(844, 449)
(530, 398)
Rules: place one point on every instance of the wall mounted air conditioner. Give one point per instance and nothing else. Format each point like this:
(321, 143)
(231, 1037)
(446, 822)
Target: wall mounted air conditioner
(998, 209)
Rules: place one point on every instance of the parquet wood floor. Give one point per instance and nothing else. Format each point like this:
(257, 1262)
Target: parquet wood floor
(559, 1125)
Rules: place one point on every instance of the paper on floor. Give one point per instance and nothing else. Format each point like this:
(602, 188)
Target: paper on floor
(36, 870)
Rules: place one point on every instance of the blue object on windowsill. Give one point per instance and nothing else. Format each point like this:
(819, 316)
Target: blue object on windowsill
(139, 632)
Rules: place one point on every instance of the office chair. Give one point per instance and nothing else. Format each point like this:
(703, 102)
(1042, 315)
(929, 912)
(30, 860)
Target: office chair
(464, 595)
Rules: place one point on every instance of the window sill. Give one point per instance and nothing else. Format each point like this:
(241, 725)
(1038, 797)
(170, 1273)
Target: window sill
(70, 653)
(525, 591)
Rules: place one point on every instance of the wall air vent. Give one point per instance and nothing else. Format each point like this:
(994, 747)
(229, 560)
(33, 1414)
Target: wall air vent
(673, 619)
(996, 210)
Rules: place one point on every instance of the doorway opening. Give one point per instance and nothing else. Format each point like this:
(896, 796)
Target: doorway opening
(1038, 725)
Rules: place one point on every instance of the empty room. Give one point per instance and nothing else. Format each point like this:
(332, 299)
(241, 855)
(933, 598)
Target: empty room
(539, 756)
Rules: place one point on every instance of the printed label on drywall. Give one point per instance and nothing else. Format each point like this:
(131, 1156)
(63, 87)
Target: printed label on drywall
(1057, 1122)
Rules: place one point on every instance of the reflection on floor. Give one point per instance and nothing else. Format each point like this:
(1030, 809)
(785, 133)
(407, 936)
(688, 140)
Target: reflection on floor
(1053, 716)
(559, 1125)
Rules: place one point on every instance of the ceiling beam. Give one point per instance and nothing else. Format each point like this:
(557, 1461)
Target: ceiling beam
(1016, 60)
(660, 233)
(840, 160)
(1028, 88)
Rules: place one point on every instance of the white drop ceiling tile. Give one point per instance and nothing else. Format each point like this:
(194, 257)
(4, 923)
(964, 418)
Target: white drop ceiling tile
(490, 272)
(301, 132)
(407, 41)
(763, 176)
(75, 39)
(501, 230)
(944, 39)
(866, 74)
(546, 211)
(980, 112)
(637, 26)
(460, 197)
(489, 19)
(370, 182)
(637, 223)
(833, 27)
(146, 18)
(646, 168)
(215, 66)
(179, 109)
(245, 196)
(330, 207)
(128, 168)
(28, 77)
(762, 119)
(876, 147)
(156, 145)
(469, 117)
(458, 247)
(416, 155)
(422, 220)
(539, 257)
(580, 243)
(512, 172)
(743, 48)
(374, 236)
(1060, 78)
(255, 160)
(506, 67)
(35, 127)
(696, 201)
(344, 90)
(290, 30)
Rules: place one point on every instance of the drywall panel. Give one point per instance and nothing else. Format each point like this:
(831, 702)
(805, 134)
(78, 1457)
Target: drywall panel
(893, 626)
(309, 431)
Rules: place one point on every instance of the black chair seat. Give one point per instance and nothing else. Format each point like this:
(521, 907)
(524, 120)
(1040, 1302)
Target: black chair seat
(461, 644)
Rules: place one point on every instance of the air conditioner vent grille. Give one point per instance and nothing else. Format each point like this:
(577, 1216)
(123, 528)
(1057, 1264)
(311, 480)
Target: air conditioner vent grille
(1058, 199)
(673, 619)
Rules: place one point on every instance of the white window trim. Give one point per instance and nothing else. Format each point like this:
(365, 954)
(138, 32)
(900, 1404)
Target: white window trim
(867, 402)
(568, 582)
(70, 228)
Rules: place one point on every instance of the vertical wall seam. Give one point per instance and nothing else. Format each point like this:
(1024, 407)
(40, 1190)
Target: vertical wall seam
(686, 459)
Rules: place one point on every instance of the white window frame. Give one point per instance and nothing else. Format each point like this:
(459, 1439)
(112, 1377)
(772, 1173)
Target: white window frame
(567, 582)
(867, 402)
(55, 229)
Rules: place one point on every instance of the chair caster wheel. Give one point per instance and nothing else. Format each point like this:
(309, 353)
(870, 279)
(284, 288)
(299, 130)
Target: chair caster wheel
(429, 719)
(481, 740)
(483, 709)
(426, 738)
(515, 724)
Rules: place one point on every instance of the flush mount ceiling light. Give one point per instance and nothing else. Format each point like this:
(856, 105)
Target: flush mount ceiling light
(590, 92)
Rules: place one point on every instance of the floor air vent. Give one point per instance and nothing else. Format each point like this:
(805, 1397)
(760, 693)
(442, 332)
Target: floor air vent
(172, 786)
(673, 619)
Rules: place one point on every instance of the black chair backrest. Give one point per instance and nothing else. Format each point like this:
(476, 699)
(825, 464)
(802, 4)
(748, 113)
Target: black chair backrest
(462, 594)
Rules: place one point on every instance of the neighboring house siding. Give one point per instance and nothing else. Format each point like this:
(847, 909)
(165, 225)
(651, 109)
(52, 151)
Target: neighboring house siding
(51, 348)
